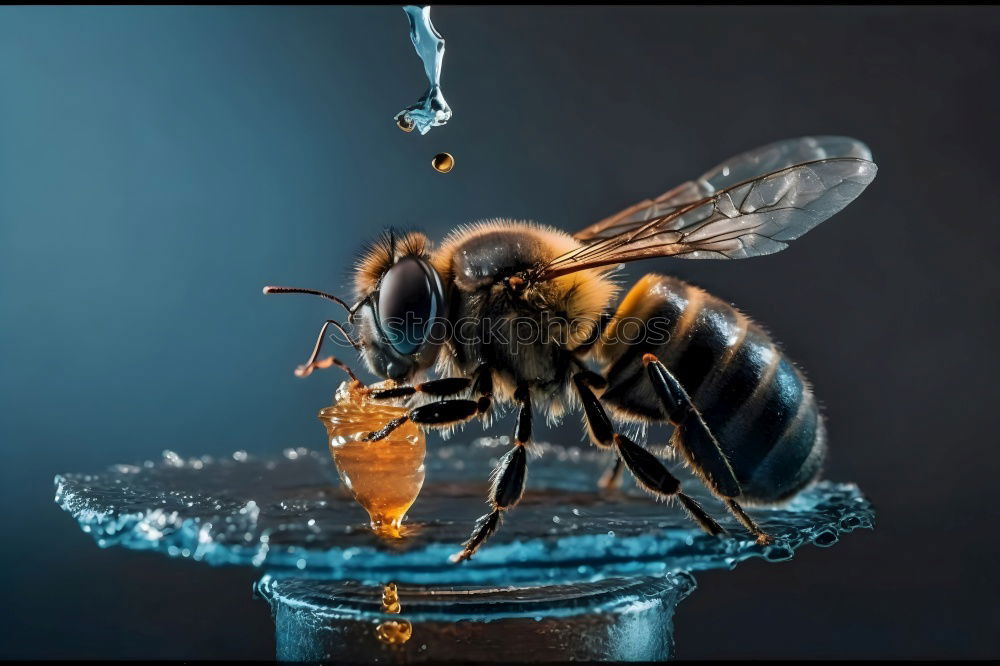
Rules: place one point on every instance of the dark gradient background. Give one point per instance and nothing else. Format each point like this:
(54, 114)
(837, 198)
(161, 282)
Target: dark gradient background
(158, 165)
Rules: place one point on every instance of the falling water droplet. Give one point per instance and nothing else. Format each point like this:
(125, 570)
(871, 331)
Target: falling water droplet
(431, 110)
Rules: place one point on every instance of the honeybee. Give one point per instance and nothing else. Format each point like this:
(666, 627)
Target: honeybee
(744, 417)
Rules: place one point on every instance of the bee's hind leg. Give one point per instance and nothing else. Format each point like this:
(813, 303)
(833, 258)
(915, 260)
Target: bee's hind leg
(695, 440)
(647, 469)
(508, 481)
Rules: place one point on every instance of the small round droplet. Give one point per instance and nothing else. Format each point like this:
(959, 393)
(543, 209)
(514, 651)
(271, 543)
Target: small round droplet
(443, 162)
(404, 124)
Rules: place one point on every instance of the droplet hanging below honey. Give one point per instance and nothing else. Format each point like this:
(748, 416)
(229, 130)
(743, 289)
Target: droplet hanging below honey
(390, 599)
(393, 632)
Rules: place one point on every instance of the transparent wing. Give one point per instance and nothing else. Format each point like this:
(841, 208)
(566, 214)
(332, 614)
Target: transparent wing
(743, 167)
(747, 219)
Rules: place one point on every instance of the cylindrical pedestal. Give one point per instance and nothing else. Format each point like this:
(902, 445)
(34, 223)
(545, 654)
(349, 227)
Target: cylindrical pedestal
(617, 620)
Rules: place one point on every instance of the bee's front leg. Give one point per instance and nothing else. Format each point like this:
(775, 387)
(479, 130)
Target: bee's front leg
(315, 363)
(440, 414)
(439, 388)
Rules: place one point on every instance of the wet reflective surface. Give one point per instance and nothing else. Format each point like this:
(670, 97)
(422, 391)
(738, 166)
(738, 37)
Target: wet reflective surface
(290, 513)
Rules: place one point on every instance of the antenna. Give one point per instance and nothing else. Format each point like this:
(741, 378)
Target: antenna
(312, 292)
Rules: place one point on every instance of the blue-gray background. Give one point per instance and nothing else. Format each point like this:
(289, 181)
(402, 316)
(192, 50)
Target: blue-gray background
(158, 165)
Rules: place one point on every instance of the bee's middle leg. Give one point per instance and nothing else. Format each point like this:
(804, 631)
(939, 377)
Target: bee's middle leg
(508, 480)
(612, 477)
(647, 469)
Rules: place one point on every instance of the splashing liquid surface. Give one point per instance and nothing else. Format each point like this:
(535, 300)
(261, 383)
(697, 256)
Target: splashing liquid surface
(291, 513)
(431, 110)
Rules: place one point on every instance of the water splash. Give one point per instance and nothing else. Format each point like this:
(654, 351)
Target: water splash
(431, 110)
(289, 513)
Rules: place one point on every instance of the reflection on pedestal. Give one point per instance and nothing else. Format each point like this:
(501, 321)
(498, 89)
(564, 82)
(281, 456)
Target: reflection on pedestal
(616, 619)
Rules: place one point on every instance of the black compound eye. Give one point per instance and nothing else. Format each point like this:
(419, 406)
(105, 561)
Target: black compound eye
(409, 298)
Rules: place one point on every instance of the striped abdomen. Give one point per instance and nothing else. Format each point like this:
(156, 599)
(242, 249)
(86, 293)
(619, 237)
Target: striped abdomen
(755, 401)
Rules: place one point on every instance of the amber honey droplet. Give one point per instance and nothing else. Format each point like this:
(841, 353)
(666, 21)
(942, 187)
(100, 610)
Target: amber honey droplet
(390, 599)
(404, 124)
(385, 476)
(393, 632)
(443, 162)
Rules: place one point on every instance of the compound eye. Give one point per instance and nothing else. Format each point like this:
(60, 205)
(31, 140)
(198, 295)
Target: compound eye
(409, 299)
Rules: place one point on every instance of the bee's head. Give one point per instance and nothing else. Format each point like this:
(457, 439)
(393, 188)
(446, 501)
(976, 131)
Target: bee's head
(402, 307)
(400, 315)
